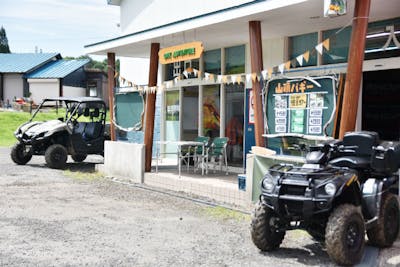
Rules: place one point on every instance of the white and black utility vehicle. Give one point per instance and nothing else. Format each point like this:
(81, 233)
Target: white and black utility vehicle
(345, 189)
(80, 132)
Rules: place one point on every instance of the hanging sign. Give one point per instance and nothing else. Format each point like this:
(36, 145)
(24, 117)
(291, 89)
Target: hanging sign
(181, 52)
(303, 106)
(333, 8)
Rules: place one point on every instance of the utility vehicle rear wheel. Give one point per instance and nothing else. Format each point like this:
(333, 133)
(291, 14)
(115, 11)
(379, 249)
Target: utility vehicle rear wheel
(344, 235)
(19, 154)
(263, 231)
(385, 232)
(56, 156)
(79, 157)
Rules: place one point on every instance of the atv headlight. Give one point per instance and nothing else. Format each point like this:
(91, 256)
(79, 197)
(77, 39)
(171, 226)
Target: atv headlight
(330, 189)
(268, 183)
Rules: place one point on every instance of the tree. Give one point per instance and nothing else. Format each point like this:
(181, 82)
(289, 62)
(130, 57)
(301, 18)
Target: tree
(94, 64)
(4, 48)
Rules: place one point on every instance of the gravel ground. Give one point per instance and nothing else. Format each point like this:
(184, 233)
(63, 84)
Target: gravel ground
(58, 218)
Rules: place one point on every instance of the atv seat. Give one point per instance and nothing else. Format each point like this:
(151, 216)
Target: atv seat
(92, 130)
(361, 146)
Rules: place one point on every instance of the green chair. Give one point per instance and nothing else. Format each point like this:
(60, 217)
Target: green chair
(216, 150)
(195, 152)
(200, 156)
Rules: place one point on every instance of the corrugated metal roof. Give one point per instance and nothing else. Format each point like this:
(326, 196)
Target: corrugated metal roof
(57, 69)
(24, 62)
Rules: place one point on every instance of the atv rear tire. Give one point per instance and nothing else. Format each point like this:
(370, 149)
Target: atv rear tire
(344, 235)
(19, 155)
(79, 157)
(385, 232)
(263, 233)
(56, 156)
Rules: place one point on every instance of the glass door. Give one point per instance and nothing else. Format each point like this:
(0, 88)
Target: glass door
(190, 113)
(211, 111)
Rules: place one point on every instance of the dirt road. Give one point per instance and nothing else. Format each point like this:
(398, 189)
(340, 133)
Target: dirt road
(60, 218)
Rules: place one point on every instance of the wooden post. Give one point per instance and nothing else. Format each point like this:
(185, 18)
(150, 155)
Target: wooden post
(111, 86)
(354, 67)
(256, 67)
(151, 106)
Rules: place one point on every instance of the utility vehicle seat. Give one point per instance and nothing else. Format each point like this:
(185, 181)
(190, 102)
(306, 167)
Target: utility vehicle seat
(361, 149)
(92, 130)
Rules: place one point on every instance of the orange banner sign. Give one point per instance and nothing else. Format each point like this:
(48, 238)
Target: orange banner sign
(180, 52)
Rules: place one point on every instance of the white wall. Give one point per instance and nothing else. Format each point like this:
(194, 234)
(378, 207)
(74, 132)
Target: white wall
(43, 88)
(135, 70)
(13, 86)
(145, 14)
(74, 91)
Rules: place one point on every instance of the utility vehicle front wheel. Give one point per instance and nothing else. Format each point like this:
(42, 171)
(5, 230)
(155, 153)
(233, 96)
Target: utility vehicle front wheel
(385, 232)
(264, 233)
(344, 235)
(56, 156)
(19, 154)
(79, 157)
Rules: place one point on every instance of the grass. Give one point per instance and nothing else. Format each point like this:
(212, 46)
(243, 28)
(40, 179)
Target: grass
(222, 213)
(11, 120)
(84, 176)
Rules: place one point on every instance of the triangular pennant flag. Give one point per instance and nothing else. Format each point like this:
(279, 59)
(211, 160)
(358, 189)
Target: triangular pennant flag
(233, 78)
(269, 73)
(259, 76)
(254, 77)
(212, 77)
(239, 79)
(293, 63)
(248, 78)
(264, 74)
(287, 65)
(326, 44)
(219, 78)
(225, 78)
(306, 56)
(206, 76)
(116, 74)
(300, 60)
(199, 74)
(319, 48)
(281, 67)
(185, 73)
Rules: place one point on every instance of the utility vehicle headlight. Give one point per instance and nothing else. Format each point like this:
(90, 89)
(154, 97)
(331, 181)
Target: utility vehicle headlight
(268, 183)
(330, 189)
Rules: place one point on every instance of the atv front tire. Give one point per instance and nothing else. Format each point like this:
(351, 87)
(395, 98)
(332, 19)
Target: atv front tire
(386, 230)
(19, 155)
(79, 157)
(344, 235)
(56, 156)
(263, 232)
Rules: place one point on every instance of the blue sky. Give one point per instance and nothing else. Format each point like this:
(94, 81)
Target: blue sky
(63, 26)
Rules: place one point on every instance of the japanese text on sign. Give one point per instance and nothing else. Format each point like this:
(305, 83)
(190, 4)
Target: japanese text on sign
(293, 87)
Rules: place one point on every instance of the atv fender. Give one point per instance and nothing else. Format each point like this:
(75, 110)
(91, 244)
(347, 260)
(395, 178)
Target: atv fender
(371, 197)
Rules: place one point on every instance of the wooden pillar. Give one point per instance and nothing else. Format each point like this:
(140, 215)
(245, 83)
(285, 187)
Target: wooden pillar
(111, 86)
(354, 67)
(256, 67)
(151, 106)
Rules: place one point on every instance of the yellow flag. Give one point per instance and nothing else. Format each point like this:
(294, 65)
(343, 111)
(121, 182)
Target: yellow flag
(326, 44)
(306, 56)
(254, 77)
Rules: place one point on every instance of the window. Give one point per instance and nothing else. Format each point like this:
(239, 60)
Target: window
(212, 61)
(234, 59)
(302, 43)
(339, 46)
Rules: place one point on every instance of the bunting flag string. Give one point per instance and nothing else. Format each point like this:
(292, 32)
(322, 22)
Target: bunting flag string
(265, 74)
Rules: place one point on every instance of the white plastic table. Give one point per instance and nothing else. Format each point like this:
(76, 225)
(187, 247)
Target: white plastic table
(179, 146)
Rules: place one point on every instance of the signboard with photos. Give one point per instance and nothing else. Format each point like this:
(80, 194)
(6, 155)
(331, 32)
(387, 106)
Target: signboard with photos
(300, 106)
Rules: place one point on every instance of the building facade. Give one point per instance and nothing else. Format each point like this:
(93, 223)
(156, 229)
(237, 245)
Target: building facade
(211, 96)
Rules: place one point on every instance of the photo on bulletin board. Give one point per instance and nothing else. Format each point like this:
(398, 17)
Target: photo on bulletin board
(300, 106)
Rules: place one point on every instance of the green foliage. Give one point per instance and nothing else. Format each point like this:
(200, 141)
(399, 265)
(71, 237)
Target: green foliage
(94, 64)
(4, 48)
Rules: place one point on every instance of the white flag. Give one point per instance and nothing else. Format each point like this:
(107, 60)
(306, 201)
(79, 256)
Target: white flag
(300, 59)
(319, 48)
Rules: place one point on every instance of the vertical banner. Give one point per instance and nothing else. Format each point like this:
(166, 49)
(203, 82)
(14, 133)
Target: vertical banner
(301, 106)
(249, 139)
